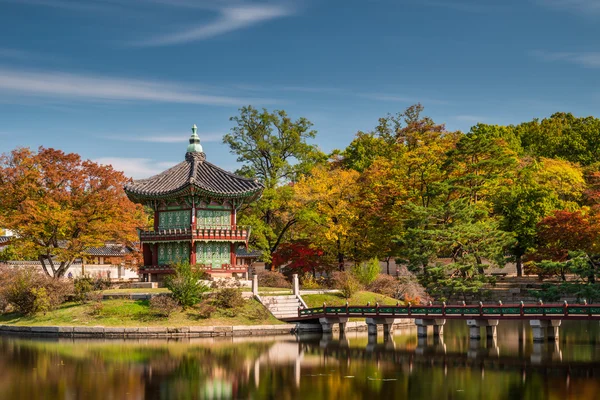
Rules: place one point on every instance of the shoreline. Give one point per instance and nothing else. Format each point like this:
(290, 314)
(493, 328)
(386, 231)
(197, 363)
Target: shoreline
(172, 332)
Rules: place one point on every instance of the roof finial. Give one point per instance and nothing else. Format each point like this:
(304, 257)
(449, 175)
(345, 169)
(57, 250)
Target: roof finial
(194, 146)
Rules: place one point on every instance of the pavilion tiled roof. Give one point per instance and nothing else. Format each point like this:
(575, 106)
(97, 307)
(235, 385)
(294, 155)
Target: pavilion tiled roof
(4, 239)
(197, 175)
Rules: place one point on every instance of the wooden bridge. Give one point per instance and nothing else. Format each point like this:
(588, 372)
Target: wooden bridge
(544, 318)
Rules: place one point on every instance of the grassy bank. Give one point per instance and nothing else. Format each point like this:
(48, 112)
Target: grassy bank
(261, 290)
(336, 299)
(135, 313)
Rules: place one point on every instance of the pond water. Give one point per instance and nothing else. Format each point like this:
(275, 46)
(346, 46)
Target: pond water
(310, 366)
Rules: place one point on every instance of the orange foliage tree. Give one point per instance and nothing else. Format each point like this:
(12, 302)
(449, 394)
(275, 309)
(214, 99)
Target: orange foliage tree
(59, 205)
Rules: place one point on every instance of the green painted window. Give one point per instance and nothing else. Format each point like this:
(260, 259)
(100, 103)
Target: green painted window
(173, 252)
(174, 219)
(215, 253)
(213, 218)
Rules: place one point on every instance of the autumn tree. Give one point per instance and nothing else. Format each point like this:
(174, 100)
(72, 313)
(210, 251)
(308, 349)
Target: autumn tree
(58, 205)
(299, 256)
(276, 150)
(566, 232)
(325, 204)
(531, 196)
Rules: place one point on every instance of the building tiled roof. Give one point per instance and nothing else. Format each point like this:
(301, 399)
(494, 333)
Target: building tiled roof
(243, 253)
(108, 251)
(197, 175)
(4, 239)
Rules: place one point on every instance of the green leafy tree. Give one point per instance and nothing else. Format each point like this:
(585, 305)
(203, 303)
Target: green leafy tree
(276, 150)
(563, 136)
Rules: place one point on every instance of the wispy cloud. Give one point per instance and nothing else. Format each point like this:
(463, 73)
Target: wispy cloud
(579, 6)
(136, 168)
(584, 59)
(231, 18)
(164, 138)
(102, 88)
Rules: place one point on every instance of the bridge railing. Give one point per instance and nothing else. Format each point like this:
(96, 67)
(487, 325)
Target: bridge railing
(515, 311)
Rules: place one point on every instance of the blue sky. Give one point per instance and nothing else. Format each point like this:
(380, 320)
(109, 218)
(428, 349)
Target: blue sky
(122, 81)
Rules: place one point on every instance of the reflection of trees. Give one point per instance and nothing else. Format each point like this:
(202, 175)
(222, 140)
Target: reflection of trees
(34, 369)
(118, 370)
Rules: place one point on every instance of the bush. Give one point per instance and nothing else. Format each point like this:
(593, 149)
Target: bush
(272, 279)
(346, 283)
(163, 305)
(185, 285)
(366, 273)
(228, 298)
(28, 292)
(308, 281)
(205, 310)
(386, 285)
(82, 287)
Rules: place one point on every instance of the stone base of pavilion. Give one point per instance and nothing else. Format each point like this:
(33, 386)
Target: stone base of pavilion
(160, 272)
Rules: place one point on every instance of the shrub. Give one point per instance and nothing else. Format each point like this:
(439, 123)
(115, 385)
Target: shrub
(21, 289)
(308, 281)
(386, 285)
(228, 298)
(272, 279)
(346, 283)
(185, 285)
(410, 290)
(205, 309)
(163, 305)
(82, 287)
(367, 272)
(41, 300)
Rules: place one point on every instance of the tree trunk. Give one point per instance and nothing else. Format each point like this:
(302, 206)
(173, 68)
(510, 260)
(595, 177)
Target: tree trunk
(519, 265)
(340, 255)
(387, 261)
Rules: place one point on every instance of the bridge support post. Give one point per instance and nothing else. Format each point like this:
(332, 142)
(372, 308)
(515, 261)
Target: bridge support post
(388, 325)
(545, 329)
(422, 324)
(328, 322)
(475, 328)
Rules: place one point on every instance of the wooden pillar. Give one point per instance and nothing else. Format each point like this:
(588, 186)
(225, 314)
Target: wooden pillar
(156, 220)
(155, 254)
(147, 253)
(233, 256)
(193, 253)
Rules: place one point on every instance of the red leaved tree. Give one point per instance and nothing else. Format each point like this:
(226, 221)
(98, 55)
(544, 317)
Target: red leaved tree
(298, 257)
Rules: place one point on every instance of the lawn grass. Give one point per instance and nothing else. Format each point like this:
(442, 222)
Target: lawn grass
(136, 313)
(358, 299)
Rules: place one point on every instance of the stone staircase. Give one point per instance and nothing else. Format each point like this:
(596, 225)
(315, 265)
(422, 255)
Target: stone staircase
(282, 306)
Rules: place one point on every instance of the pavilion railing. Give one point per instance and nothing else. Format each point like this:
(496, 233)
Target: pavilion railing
(225, 232)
